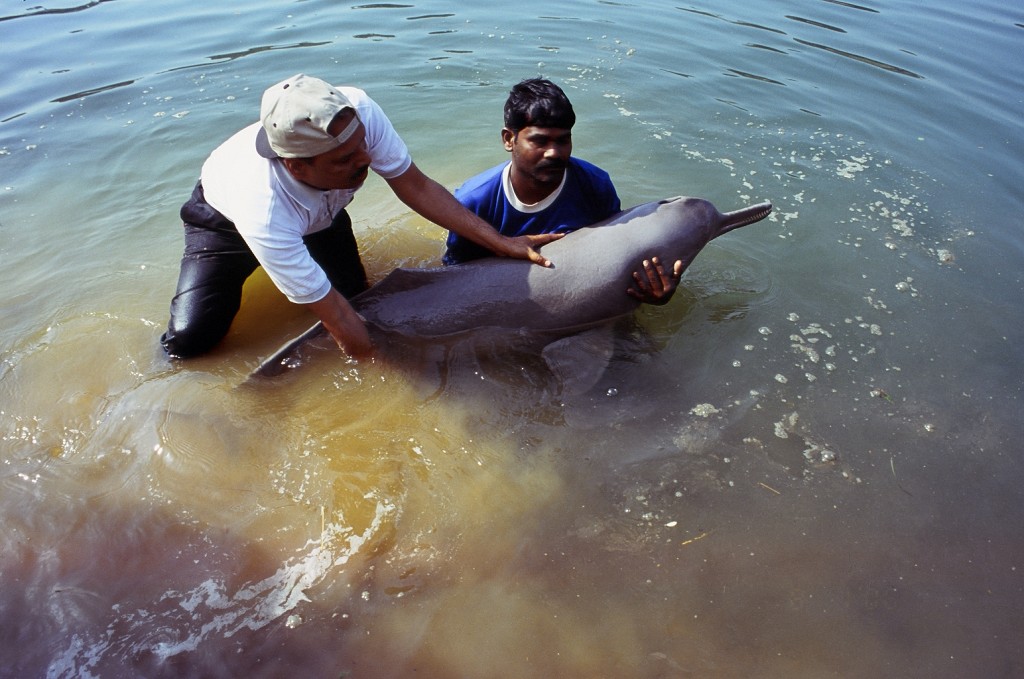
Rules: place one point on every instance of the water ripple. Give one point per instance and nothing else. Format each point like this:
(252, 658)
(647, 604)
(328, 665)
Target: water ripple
(55, 10)
(852, 6)
(760, 78)
(91, 91)
(818, 24)
(864, 60)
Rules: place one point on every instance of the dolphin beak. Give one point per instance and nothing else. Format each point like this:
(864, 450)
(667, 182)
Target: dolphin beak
(744, 216)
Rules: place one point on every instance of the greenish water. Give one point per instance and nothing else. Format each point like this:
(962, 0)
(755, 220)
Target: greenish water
(808, 464)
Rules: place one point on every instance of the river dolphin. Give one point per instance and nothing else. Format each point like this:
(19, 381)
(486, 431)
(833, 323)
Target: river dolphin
(593, 267)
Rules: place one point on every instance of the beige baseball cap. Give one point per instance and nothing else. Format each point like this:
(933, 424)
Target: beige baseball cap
(296, 113)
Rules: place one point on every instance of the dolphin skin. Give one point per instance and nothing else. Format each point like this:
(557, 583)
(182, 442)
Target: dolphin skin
(593, 267)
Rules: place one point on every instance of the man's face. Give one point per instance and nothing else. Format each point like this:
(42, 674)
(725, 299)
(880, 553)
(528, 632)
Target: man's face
(344, 167)
(539, 154)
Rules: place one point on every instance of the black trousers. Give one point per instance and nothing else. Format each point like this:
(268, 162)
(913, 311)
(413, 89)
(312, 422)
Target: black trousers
(217, 262)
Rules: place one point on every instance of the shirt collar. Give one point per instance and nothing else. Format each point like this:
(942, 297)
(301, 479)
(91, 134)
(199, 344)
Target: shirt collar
(529, 208)
(304, 194)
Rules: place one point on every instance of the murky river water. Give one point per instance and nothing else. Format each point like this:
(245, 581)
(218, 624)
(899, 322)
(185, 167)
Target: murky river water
(808, 464)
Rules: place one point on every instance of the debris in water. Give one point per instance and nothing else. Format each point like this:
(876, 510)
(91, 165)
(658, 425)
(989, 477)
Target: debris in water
(786, 425)
(704, 410)
(699, 537)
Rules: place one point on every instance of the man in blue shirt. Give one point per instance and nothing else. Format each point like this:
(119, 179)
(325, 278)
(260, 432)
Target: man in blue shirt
(544, 189)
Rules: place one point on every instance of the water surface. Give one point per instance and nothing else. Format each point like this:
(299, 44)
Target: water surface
(806, 465)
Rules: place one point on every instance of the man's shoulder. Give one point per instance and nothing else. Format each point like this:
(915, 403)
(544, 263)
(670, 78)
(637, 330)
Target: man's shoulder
(484, 183)
(370, 112)
(234, 166)
(485, 178)
(591, 190)
(591, 180)
(241, 144)
(588, 169)
(358, 97)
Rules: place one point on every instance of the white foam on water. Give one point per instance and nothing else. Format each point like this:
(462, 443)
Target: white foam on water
(217, 612)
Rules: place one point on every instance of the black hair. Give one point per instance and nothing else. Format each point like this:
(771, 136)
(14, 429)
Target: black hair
(537, 102)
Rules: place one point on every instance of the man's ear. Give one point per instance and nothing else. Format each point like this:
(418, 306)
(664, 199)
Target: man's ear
(508, 137)
(297, 167)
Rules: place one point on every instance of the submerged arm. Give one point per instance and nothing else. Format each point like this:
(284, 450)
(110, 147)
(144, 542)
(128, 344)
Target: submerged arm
(345, 325)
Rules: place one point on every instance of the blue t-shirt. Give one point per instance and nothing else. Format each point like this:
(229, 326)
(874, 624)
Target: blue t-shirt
(587, 196)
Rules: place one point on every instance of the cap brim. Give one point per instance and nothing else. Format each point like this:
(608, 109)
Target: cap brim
(263, 144)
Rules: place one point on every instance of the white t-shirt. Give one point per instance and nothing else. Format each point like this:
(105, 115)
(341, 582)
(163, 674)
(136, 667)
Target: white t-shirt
(273, 211)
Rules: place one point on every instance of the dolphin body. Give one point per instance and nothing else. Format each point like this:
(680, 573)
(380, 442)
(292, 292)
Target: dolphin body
(593, 267)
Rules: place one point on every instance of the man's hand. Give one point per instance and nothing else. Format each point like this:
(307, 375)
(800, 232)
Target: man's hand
(652, 285)
(345, 325)
(526, 247)
(354, 340)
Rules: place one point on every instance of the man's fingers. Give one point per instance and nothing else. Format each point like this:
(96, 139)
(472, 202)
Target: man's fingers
(527, 247)
(657, 277)
(538, 258)
(539, 239)
(652, 283)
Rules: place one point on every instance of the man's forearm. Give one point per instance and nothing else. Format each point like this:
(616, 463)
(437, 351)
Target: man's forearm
(434, 202)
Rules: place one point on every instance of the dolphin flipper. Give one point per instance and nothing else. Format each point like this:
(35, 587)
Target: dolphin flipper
(279, 361)
(579, 361)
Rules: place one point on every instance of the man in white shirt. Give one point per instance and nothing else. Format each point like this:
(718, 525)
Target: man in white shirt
(274, 195)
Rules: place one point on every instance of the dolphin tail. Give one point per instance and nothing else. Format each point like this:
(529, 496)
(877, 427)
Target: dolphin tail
(743, 217)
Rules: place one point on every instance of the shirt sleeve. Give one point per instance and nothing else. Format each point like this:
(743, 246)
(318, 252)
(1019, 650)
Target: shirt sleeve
(389, 156)
(275, 238)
